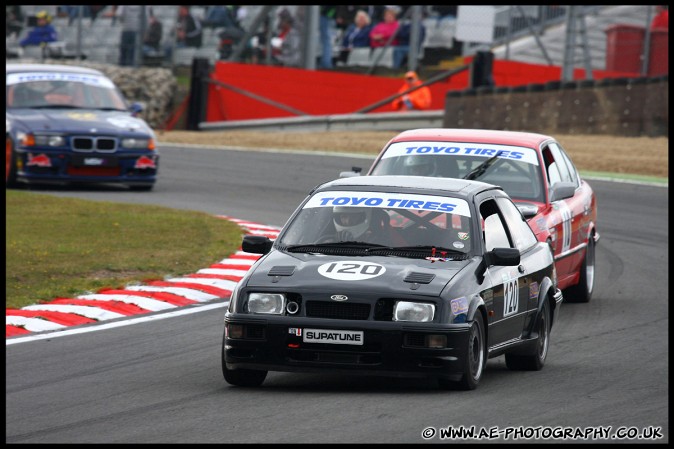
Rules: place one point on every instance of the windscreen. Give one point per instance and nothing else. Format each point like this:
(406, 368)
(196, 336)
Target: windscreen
(68, 90)
(516, 169)
(386, 219)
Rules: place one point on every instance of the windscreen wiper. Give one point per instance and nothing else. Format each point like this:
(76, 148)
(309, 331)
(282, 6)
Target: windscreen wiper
(55, 106)
(480, 169)
(348, 244)
(435, 250)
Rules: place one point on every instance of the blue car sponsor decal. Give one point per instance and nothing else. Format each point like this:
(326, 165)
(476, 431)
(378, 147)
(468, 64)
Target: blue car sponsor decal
(28, 77)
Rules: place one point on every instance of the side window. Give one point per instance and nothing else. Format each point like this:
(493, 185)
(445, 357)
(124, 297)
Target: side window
(567, 160)
(559, 161)
(522, 235)
(495, 235)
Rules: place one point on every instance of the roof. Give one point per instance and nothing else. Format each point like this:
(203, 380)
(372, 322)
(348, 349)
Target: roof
(457, 187)
(13, 68)
(517, 138)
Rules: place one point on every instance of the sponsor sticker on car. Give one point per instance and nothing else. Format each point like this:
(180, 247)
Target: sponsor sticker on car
(338, 337)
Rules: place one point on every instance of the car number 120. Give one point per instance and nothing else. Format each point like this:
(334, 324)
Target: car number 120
(351, 270)
(511, 296)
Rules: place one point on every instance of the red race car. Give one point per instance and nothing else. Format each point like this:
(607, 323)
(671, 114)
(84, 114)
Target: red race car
(533, 169)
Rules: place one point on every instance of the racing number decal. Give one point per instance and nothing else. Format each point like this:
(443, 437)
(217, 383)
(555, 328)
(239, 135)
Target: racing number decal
(511, 297)
(565, 212)
(351, 270)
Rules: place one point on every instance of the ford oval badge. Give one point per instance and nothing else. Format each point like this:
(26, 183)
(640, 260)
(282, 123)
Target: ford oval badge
(339, 298)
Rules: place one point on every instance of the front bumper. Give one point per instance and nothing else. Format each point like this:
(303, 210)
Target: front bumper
(128, 167)
(389, 348)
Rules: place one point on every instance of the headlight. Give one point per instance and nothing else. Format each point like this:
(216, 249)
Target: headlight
(52, 141)
(138, 143)
(413, 311)
(271, 303)
(42, 140)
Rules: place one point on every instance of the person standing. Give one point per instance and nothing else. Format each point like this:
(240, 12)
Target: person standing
(417, 100)
(327, 25)
(131, 18)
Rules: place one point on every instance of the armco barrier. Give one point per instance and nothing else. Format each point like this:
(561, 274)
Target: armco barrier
(619, 106)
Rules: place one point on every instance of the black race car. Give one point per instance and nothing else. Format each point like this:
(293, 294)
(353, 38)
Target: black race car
(71, 124)
(394, 276)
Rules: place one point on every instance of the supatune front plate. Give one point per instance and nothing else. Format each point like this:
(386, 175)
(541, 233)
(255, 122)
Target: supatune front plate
(332, 336)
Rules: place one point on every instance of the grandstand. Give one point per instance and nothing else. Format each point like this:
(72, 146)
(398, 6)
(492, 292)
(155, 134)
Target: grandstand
(529, 38)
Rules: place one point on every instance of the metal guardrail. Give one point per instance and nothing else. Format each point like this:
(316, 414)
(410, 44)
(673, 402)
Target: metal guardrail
(382, 121)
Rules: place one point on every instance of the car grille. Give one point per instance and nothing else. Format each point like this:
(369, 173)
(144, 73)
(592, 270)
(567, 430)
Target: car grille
(102, 144)
(339, 311)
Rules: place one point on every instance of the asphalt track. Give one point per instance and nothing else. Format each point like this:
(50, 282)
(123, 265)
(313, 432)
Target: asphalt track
(159, 381)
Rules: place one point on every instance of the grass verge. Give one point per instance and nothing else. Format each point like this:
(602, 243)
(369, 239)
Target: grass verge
(64, 247)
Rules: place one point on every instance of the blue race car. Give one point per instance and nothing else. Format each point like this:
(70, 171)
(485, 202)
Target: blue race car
(68, 124)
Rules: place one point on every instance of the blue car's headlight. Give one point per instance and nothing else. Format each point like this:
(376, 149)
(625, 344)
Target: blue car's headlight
(413, 311)
(270, 303)
(42, 140)
(137, 143)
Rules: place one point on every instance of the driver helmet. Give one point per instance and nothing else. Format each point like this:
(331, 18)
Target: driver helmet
(419, 165)
(354, 220)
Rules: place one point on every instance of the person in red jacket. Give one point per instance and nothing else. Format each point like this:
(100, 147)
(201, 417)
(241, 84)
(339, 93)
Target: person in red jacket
(661, 19)
(419, 99)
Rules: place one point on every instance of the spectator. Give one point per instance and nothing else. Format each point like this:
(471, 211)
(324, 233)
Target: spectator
(219, 16)
(153, 35)
(188, 29)
(417, 100)
(42, 33)
(401, 50)
(357, 35)
(13, 21)
(130, 16)
(327, 25)
(661, 19)
(286, 45)
(382, 32)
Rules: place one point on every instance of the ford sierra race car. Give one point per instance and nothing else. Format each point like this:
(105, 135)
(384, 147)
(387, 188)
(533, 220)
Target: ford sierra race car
(401, 276)
(71, 124)
(533, 169)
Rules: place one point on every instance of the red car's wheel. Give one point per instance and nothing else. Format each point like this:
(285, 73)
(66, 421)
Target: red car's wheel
(582, 292)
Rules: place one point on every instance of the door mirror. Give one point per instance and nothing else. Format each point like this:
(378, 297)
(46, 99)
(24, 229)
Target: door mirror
(256, 244)
(355, 171)
(507, 257)
(562, 191)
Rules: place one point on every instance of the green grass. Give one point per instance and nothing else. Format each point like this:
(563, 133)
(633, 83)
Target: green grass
(64, 247)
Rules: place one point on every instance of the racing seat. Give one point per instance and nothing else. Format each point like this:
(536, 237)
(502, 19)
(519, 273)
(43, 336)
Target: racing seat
(385, 233)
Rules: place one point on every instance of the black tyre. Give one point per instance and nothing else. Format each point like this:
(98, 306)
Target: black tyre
(241, 377)
(582, 292)
(535, 360)
(10, 164)
(475, 361)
